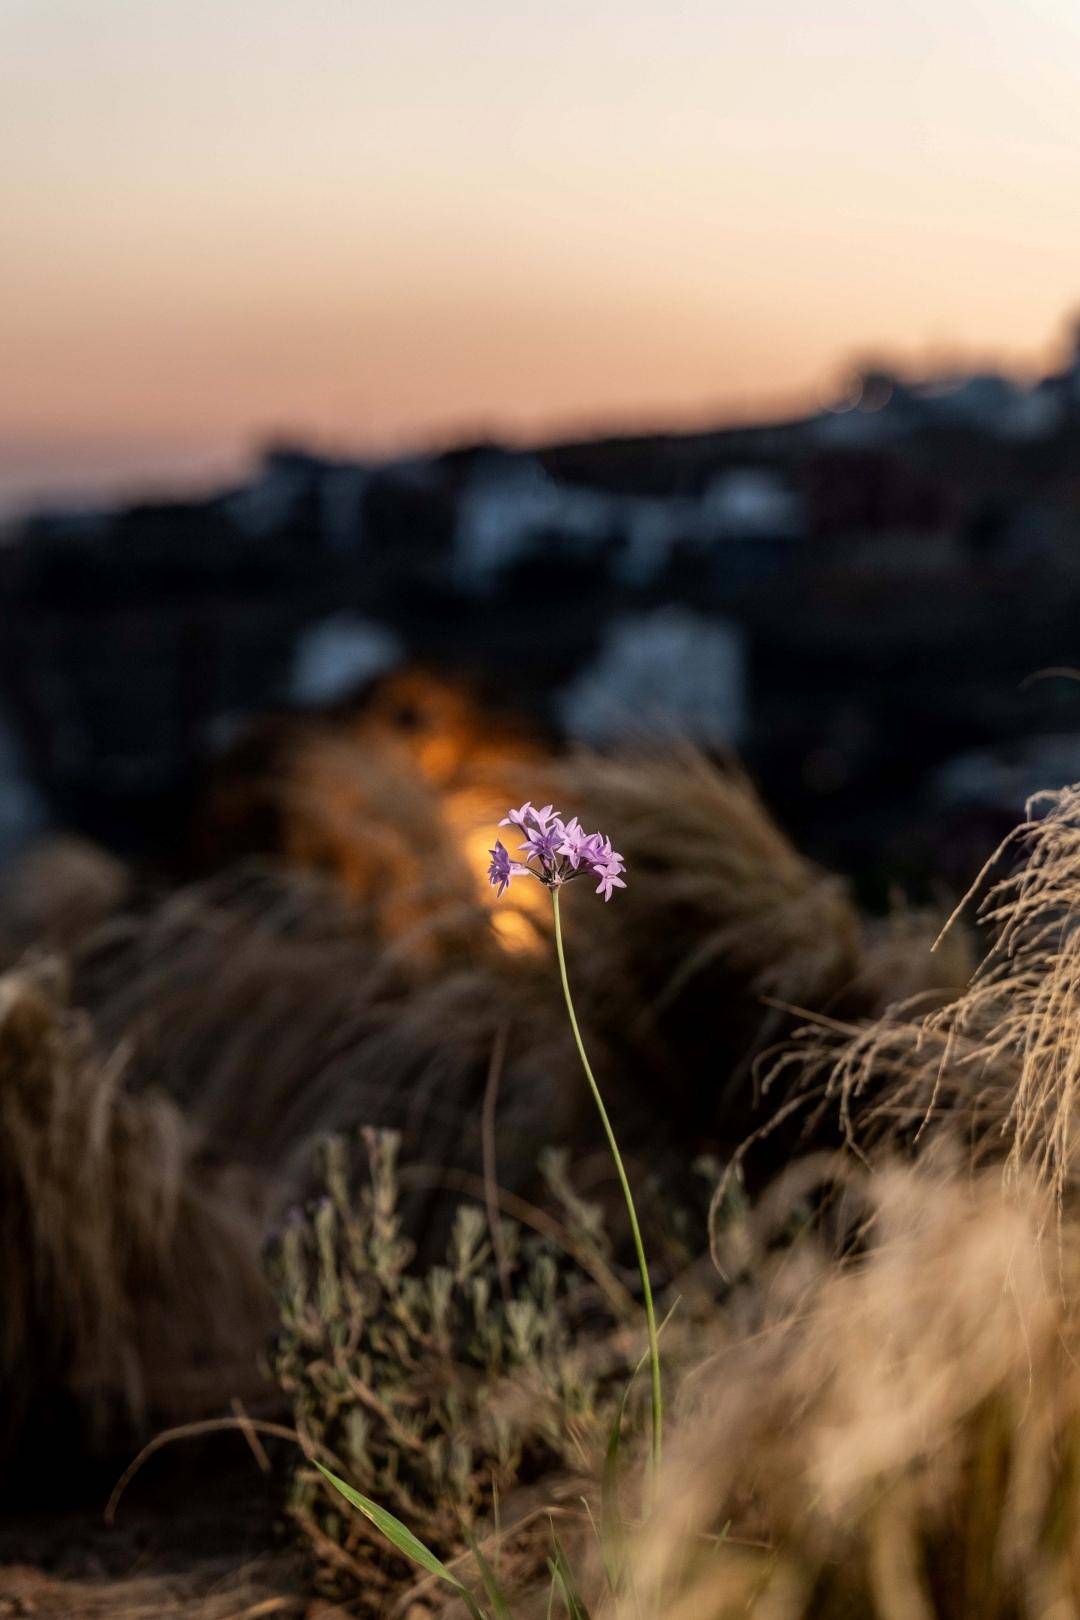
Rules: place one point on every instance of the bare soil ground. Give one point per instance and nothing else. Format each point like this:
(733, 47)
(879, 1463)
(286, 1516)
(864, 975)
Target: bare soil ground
(196, 1537)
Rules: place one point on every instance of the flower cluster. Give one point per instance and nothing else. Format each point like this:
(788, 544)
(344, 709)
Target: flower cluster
(556, 852)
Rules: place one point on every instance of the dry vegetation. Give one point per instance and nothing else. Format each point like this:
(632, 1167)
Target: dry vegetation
(875, 1394)
(131, 1275)
(893, 1428)
(216, 1591)
(897, 1438)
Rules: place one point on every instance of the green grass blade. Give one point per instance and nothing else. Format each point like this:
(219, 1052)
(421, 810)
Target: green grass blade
(575, 1605)
(558, 1584)
(491, 1581)
(400, 1536)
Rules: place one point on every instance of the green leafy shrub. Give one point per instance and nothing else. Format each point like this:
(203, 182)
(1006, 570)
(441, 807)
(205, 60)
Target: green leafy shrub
(438, 1392)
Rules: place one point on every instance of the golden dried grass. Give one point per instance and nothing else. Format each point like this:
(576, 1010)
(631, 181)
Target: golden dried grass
(56, 892)
(998, 1065)
(723, 932)
(131, 1277)
(898, 1438)
(264, 1007)
(889, 1423)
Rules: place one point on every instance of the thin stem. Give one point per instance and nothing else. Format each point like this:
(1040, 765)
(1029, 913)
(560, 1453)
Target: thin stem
(635, 1229)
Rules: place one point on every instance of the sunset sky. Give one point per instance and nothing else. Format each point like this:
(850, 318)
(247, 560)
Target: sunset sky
(380, 222)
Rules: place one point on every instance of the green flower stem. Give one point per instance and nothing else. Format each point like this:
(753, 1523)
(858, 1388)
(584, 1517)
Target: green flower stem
(639, 1247)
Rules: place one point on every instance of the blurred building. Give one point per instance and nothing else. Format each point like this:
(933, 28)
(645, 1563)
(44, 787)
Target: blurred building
(854, 598)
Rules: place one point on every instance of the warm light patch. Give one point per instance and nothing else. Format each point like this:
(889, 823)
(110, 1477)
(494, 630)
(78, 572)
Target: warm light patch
(401, 803)
(518, 923)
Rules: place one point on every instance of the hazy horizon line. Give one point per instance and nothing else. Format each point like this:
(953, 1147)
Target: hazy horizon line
(122, 469)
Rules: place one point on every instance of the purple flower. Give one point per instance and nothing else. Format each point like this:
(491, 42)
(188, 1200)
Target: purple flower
(518, 818)
(609, 877)
(557, 852)
(544, 844)
(574, 843)
(521, 818)
(502, 868)
(545, 817)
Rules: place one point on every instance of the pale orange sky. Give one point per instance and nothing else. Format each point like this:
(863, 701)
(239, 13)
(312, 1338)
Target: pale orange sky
(377, 224)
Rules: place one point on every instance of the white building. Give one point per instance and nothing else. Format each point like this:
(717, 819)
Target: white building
(511, 502)
(336, 657)
(668, 673)
(286, 481)
(508, 503)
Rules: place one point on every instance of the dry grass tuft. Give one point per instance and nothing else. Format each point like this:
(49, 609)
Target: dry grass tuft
(1000, 1064)
(889, 1425)
(131, 1278)
(723, 931)
(55, 893)
(899, 1437)
(262, 1005)
(716, 884)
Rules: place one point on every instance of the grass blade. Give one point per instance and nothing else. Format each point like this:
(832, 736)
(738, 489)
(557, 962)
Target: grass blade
(492, 1587)
(400, 1536)
(558, 1584)
(575, 1605)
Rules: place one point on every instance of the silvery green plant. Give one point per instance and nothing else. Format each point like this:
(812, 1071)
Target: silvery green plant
(436, 1388)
